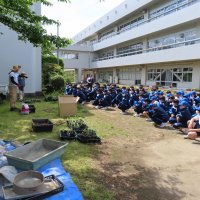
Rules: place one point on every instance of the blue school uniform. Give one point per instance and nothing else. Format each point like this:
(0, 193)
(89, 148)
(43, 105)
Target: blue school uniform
(74, 92)
(81, 95)
(174, 110)
(184, 115)
(105, 101)
(124, 103)
(138, 106)
(133, 98)
(68, 90)
(97, 98)
(117, 99)
(159, 116)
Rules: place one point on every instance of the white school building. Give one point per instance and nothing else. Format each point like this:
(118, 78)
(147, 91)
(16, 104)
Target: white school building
(141, 42)
(15, 52)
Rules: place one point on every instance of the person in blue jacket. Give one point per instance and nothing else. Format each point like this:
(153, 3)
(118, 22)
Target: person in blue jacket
(21, 80)
(105, 102)
(173, 111)
(117, 98)
(124, 103)
(183, 116)
(81, 96)
(133, 97)
(138, 106)
(160, 117)
(99, 95)
(197, 100)
(92, 92)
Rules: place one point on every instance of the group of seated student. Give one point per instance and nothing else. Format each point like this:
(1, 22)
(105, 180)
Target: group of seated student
(181, 109)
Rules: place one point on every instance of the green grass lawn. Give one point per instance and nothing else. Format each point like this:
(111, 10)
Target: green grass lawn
(77, 158)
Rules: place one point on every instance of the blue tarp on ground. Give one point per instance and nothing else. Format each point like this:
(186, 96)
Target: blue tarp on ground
(71, 191)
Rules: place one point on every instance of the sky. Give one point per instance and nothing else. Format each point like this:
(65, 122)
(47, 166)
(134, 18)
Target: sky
(77, 15)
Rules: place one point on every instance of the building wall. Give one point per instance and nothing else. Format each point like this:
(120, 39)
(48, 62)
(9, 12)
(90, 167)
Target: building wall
(129, 75)
(170, 21)
(83, 61)
(112, 64)
(15, 52)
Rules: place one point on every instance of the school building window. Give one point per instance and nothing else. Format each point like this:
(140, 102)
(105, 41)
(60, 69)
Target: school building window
(106, 55)
(166, 76)
(133, 48)
(131, 24)
(104, 76)
(170, 40)
(133, 74)
(69, 56)
(106, 35)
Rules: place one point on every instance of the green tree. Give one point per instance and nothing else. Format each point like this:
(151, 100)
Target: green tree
(18, 16)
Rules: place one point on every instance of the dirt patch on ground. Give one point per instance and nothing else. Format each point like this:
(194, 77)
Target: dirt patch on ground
(147, 163)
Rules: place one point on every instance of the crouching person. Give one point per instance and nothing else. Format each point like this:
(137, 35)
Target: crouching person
(173, 111)
(124, 104)
(81, 96)
(194, 126)
(183, 116)
(105, 102)
(159, 116)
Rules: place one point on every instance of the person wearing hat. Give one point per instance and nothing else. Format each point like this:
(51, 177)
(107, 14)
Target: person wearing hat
(159, 116)
(183, 116)
(13, 86)
(21, 81)
(194, 126)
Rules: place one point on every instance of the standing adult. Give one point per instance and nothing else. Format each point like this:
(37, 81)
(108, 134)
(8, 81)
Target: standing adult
(90, 81)
(21, 81)
(13, 86)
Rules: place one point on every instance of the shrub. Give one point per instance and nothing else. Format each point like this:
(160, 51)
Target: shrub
(57, 81)
(69, 76)
(48, 70)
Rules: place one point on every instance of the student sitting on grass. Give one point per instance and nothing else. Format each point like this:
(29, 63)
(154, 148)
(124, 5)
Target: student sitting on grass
(183, 116)
(99, 95)
(160, 117)
(117, 98)
(138, 106)
(92, 94)
(173, 111)
(68, 89)
(104, 102)
(124, 103)
(194, 126)
(81, 96)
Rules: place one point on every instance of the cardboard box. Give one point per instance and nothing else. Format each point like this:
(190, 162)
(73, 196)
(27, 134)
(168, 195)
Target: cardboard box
(67, 106)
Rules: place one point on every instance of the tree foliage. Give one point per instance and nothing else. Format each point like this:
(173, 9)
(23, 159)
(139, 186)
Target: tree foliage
(19, 16)
(52, 60)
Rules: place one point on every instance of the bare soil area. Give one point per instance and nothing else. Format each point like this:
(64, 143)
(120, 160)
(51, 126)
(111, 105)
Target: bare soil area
(146, 163)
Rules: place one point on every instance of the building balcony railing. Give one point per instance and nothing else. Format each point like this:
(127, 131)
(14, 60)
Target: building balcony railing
(178, 6)
(158, 48)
